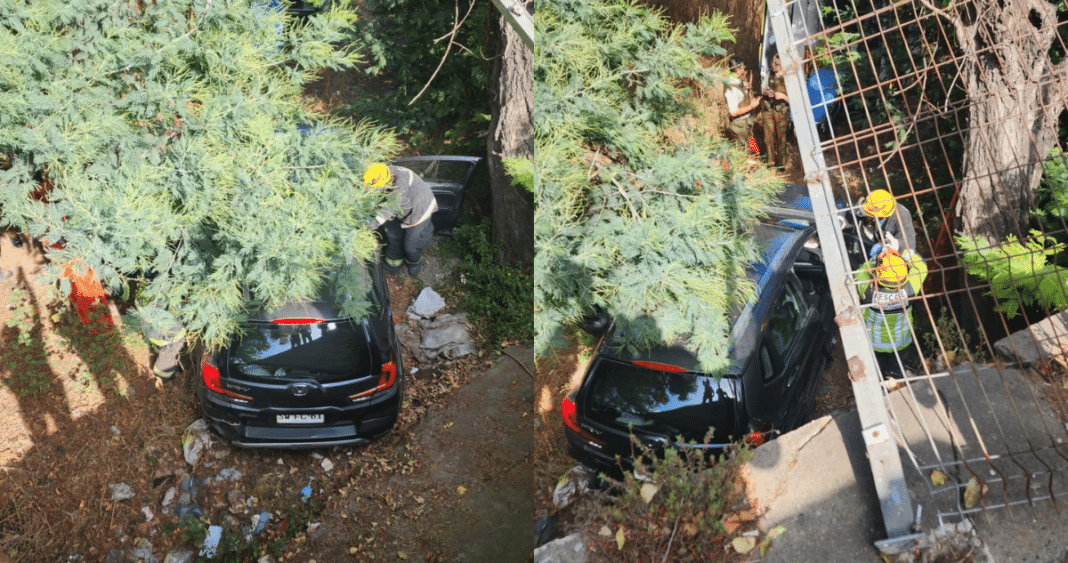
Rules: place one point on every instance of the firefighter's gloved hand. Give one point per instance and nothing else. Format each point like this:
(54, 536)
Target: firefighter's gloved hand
(892, 242)
(859, 209)
(875, 250)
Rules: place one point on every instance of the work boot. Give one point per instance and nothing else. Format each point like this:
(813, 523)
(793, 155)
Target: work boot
(414, 269)
(391, 266)
(166, 364)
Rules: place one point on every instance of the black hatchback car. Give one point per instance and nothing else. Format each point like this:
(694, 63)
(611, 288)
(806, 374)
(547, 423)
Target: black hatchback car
(782, 343)
(304, 375)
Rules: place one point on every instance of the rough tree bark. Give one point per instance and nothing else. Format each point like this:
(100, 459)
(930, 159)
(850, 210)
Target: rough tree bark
(511, 136)
(746, 21)
(1015, 97)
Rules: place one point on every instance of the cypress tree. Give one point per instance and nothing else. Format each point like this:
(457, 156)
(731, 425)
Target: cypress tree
(649, 227)
(180, 152)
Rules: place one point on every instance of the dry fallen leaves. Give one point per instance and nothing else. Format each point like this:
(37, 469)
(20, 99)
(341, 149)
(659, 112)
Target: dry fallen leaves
(973, 491)
(620, 538)
(938, 478)
(648, 492)
(743, 544)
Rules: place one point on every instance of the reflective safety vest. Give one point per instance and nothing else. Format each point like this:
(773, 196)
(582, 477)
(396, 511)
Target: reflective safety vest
(889, 316)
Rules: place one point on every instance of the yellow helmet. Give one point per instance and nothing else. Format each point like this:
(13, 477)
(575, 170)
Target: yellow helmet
(377, 176)
(892, 269)
(880, 204)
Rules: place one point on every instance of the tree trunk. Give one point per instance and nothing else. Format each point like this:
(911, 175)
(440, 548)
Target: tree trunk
(511, 136)
(746, 22)
(1015, 96)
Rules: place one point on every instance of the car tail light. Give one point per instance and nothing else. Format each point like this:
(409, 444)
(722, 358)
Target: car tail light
(570, 413)
(386, 379)
(213, 381)
(297, 321)
(660, 367)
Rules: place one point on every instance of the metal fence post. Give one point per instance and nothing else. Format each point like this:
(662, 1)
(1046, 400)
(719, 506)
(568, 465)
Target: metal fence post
(879, 442)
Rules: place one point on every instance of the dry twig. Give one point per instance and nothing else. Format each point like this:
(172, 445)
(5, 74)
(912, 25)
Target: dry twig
(457, 22)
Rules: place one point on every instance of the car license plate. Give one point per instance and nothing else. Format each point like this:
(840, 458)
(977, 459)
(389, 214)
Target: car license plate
(300, 419)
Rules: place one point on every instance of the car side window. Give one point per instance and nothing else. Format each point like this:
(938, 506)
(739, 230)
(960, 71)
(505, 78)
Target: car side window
(783, 327)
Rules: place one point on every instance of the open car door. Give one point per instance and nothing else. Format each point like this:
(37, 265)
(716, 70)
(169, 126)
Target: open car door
(448, 177)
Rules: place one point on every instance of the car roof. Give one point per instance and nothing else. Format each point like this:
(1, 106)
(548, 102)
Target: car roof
(782, 241)
(785, 245)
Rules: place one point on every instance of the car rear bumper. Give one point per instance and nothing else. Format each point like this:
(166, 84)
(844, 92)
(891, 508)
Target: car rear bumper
(595, 457)
(255, 427)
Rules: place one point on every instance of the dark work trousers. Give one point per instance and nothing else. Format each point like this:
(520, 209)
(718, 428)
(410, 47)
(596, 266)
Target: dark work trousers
(888, 361)
(407, 244)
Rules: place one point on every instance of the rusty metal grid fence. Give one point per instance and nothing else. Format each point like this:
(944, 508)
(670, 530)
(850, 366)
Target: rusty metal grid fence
(957, 110)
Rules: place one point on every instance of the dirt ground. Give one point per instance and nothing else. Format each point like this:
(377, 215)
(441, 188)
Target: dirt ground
(81, 412)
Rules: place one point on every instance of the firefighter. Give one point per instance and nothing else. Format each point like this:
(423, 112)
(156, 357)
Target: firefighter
(887, 286)
(894, 222)
(405, 217)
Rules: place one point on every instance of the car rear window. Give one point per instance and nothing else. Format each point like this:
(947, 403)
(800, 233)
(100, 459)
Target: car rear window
(328, 351)
(665, 403)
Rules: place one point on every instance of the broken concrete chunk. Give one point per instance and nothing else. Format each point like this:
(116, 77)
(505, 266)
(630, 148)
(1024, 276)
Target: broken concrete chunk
(426, 305)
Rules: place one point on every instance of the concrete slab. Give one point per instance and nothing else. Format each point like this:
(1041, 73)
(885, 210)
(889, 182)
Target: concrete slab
(978, 421)
(1044, 339)
(817, 484)
(984, 423)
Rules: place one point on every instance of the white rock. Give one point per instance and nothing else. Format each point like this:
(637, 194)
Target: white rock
(121, 491)
(195, 440)
(181, 556)
(148, 513)
(568, 549)
(327, 465)
(168, 497)
(570, 486)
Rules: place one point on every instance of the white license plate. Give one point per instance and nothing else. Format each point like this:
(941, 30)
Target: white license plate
(300, 419)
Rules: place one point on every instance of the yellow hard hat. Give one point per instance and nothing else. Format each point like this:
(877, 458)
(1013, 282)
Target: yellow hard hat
(892, 269)
(879, 204)
(377, 176)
